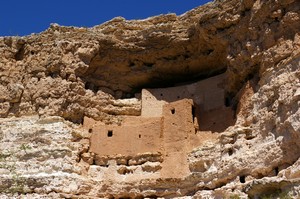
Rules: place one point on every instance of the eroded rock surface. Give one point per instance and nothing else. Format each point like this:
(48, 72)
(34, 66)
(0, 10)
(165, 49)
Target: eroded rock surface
(69, 73)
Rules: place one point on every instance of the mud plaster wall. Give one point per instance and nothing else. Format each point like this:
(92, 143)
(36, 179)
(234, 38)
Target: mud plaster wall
(179, 130)
(209, 101)
(135, 135)
(203, 111)
(207, 94)
(142, 134)
(173, 135)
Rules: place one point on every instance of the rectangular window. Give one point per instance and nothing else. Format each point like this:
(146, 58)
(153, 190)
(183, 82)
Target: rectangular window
(109, 133)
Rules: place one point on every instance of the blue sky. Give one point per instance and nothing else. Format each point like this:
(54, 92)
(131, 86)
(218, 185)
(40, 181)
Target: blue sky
(23, 17)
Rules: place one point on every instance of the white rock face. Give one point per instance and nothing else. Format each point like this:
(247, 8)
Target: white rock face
(37, 152)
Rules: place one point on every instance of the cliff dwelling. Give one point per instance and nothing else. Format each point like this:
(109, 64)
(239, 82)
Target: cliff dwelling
(173, 121)
(205, 104)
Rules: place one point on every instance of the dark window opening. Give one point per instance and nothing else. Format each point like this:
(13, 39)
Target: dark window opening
(90, 130)
(193, 113)
(276, 169)
(242, 179)
(109, 133)
(173, 111)
(140, 135)
(161, 94)
(91, 86)
(227, 101)
(230, 152)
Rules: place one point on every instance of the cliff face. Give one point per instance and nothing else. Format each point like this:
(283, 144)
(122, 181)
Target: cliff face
(65, 73)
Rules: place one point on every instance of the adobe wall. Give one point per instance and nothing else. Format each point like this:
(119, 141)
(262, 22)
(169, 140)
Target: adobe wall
(170, 133)
(208, 94)
(178, 128)
(173, 122)
(172, 136)
(135, 135)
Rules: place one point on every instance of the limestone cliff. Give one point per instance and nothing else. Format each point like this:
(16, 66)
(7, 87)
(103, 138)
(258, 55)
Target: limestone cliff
(50, 82)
